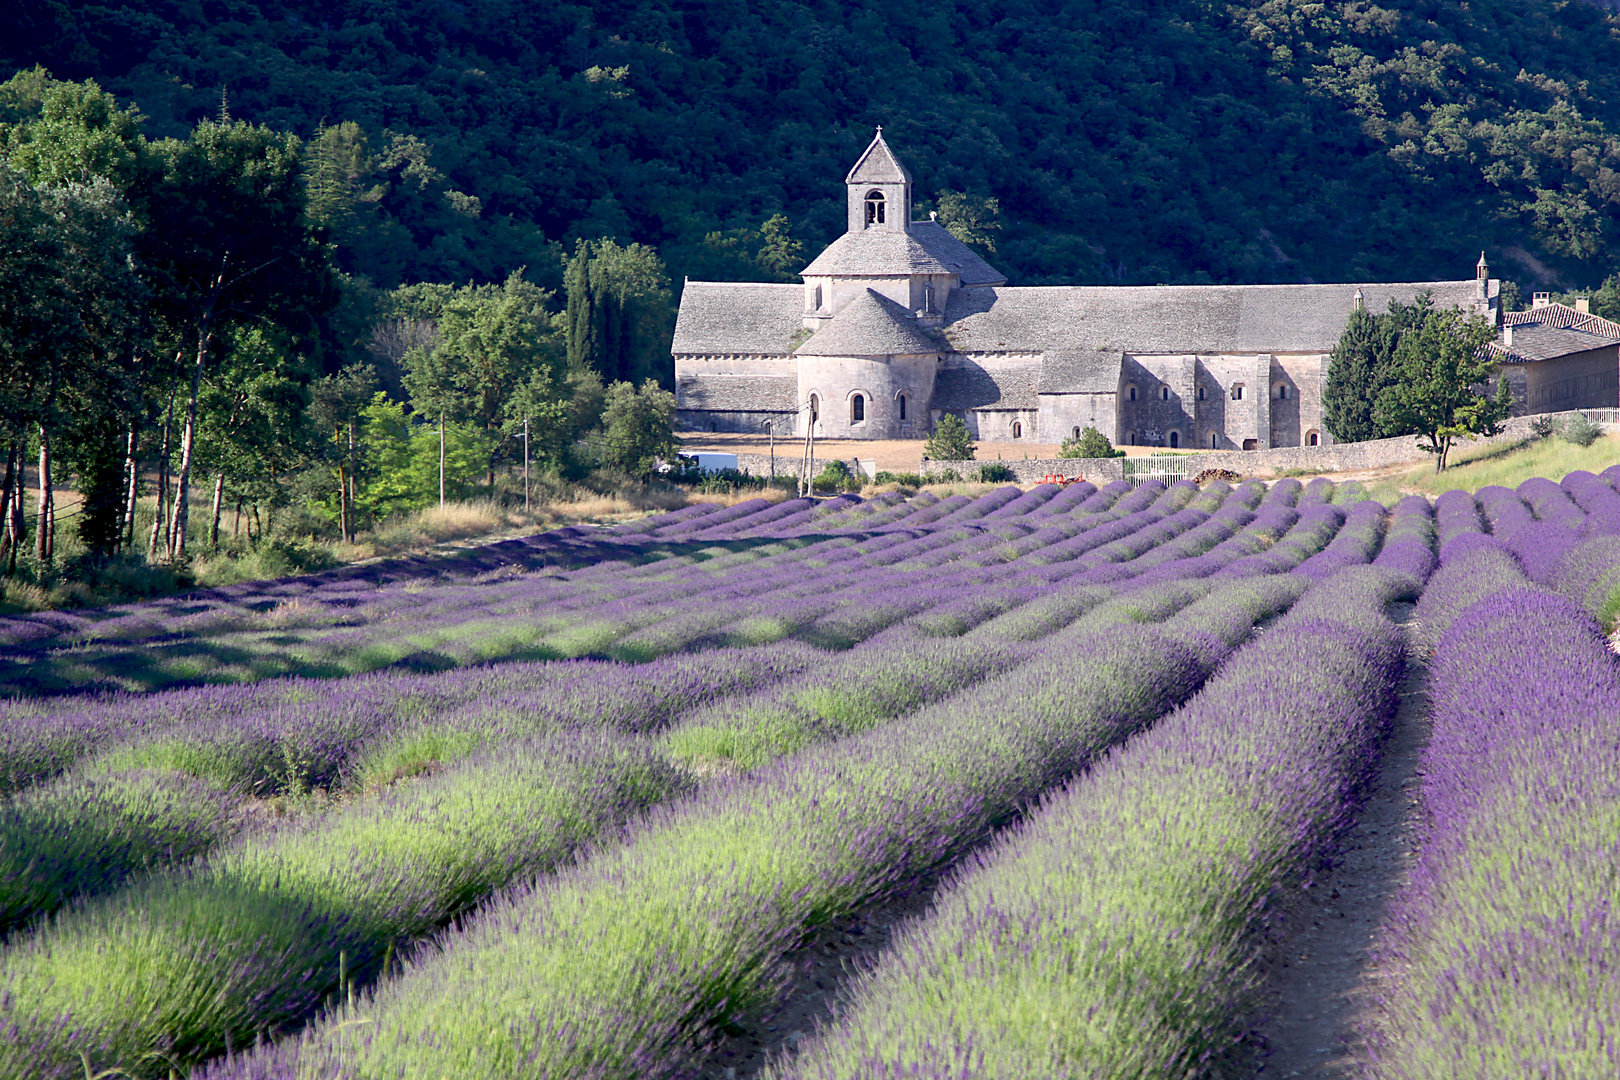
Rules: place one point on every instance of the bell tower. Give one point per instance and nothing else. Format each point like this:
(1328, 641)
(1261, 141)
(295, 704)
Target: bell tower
(879, 190)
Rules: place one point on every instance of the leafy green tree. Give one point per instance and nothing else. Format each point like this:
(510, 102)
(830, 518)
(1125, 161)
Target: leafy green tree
(973, 219)
(950, 441)
(1440, 367)
(619, 317)
(228, 243)
(638, 428)
(252, 410)
(1090, 443)
(497, 358)
(1363, 367)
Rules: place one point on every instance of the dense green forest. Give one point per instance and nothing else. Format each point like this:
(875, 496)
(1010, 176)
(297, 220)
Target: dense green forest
(1135, 142)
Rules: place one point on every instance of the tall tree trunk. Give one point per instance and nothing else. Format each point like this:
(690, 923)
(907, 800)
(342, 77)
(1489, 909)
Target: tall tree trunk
(219, 502)
(159, 512)
(343, 490)
(45, 542)
(132, 472)
(9, 491)
(236, 526)
(188, 447)
(441, 461)
(351, 481)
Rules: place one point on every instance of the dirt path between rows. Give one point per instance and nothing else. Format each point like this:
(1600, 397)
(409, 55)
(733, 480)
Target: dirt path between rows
(1323, 991)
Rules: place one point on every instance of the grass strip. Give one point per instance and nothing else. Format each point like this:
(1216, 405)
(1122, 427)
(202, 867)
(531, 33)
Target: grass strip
(189, 963)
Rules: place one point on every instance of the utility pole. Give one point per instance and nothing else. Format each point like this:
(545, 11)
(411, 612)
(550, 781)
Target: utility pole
(525, 464)
(770, 431)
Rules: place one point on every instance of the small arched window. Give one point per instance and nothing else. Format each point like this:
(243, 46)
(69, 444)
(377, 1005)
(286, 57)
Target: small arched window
(1130, 438)
(1282, 391)
(1132, 393)
(1018, 430)
(874, 208)
(1200, 391)
(1077, 433)
(902, 400)
(1312, 439)
(1175, 440)
(815, 408)
(818, 298)
(1237, 391)
(857, 409)
(1214, 440)
(1164, 393)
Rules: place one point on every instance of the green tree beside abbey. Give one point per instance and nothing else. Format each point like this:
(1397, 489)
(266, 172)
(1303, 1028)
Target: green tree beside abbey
(1441, 371)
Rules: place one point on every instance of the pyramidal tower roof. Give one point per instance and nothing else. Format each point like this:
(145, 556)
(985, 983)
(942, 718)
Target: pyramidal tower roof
(878, 165)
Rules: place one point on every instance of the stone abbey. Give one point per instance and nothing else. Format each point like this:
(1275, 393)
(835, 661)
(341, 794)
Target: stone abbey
(898, 323)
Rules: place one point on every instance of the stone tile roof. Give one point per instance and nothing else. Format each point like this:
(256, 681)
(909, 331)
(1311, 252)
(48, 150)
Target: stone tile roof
(1534, 341)
(1080, 371)
(746, 393)
(878, 165)
(1172, 319)
(1564, 316)
(738, 318)
(961, 387)
(873, 253)
(871, 325)
(950, 251)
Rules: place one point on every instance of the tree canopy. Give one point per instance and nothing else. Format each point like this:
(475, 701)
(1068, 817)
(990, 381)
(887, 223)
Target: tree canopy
(1139, 143)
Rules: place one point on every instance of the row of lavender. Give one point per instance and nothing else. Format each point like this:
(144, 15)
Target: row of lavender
(183, 963)
(1505, 936)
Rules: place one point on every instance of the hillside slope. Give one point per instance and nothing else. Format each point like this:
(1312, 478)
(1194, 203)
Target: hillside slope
(1135, 142)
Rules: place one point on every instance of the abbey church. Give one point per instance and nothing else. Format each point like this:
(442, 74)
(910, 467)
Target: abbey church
(898, 323)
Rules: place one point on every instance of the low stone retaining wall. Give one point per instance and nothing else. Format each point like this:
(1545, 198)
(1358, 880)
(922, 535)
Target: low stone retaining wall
(1337, 457)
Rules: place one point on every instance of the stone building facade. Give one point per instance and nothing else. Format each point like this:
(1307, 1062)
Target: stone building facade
(898, 323)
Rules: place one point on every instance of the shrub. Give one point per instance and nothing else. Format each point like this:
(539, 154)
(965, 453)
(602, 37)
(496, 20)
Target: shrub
(996, 472)
(1544, 426)
(1090, 443)
(950, 441)
(1580, 430)
(944, 476)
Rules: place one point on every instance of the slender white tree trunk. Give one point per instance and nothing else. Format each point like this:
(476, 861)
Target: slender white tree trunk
(441, 461)
(188, 447)
(46, 540)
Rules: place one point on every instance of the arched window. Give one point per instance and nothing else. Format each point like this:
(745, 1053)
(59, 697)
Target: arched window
(1132, 391)
(1200, 391)
(1018, 430)
(902, 400)
(1312, 439)
(1130, 438)
(874, 208)
(1077, 433)
(815, 408)
(818, 298)
(1214, 440)
(1164, 393)
(857, 409)
(1175, 440)
(1237, 391)
(1282, 391)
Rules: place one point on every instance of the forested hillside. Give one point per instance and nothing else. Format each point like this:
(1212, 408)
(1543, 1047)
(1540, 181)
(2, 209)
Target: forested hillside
(1174, 141)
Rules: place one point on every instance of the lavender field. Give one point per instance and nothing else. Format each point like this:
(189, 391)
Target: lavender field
(583, 805)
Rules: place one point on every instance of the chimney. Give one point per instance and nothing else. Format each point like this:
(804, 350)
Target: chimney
(1583, 304)
(1359, 301)
(1540, 300)
(1507, 335)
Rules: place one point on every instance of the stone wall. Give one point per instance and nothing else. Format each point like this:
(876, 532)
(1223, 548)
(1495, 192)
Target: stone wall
(1338, 457)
